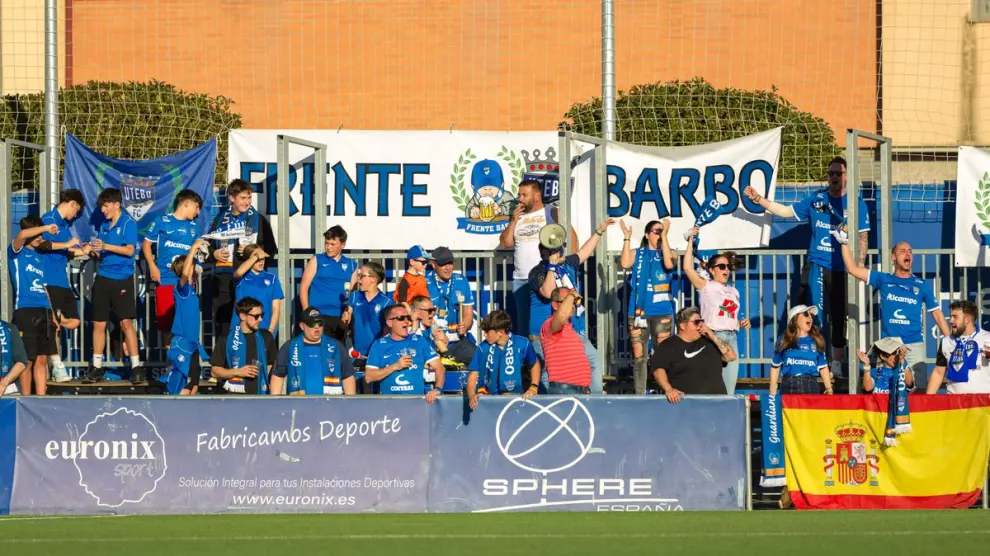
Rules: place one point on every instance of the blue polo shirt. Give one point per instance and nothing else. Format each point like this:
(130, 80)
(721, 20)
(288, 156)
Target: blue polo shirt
(804, 359)
(56, 262)
(173, 238)
(411, 381)
(366, 320)
(124, 232)
(824, 213)
(327, 291)
(263, 286)
(27, 275)
(901, 300)
(449, 297)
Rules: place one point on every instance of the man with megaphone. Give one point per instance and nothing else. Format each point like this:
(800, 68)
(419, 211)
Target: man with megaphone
(559, 271)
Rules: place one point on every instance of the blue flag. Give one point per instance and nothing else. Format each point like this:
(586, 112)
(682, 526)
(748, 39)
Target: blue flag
(148, 187)
(710, 210)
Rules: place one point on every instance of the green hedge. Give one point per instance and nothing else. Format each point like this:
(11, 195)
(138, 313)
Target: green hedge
(695, 112)
(131, 120)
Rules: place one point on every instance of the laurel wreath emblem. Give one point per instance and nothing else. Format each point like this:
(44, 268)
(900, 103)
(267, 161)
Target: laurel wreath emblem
(460, 192)
(983, 200)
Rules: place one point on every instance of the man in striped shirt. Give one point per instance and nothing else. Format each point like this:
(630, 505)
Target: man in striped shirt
(563, 348)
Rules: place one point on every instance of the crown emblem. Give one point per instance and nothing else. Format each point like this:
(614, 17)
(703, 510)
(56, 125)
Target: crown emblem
(140, 181)
(850, 432)
(540, 163)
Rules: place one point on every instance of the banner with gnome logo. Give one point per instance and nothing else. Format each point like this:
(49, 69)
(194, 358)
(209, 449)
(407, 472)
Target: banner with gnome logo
(973, 207)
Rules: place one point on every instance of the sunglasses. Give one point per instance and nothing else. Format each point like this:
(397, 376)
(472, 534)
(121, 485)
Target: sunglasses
(697, 322)
(401, 318)
(656, 231)
(260, 315)
(721, 266)
(833, 173)
(431, 310)
(423, 261)
(314, 324)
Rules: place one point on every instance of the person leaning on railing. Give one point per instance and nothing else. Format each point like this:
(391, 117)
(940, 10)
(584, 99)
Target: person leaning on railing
(651, 303)
(719, 303)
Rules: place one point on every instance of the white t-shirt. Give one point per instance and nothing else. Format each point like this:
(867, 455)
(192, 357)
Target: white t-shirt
(720, 306)
(979, 378)
(527, 241)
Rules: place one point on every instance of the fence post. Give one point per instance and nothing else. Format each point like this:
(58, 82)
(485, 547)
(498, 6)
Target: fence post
(48, 184)
(749, 456)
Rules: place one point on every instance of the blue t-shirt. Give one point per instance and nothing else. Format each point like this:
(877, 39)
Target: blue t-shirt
(410, 381)
(327, 292)
(263, 286)
(825, 213)
(882, 377)
(366, 320)
(124, 232)
(56, 262)
(188, 317)
(449, 297)
(174, 238)
(900, 305)
(27, 274)
(804, 359)
(540, 308)
(499, 369)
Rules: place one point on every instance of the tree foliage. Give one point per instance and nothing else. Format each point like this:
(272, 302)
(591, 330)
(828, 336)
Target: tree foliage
(694, 112)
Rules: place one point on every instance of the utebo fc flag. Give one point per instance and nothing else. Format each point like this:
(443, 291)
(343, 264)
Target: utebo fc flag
(148, 187)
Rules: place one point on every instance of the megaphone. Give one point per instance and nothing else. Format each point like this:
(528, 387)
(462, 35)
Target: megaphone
(553, 236)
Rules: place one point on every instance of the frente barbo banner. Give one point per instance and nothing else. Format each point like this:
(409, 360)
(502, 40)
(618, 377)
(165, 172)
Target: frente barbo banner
(145, 456)
(973, 207)
(393, 189)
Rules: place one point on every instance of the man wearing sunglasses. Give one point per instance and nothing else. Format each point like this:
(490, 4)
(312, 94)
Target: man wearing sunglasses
(426, 324)
(401, 362)
(313, 364)
(691, 362)
(241, 364)
(824, 274)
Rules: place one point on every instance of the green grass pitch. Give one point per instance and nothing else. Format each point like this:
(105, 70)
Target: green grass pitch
(764, 533)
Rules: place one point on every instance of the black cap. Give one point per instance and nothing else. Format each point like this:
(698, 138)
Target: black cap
(443, 255)
(311, 315)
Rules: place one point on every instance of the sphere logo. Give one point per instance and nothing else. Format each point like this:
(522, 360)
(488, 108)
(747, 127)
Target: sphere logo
(545, 439)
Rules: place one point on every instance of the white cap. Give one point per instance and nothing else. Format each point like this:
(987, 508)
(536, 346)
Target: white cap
(888, 345)
(798, 309)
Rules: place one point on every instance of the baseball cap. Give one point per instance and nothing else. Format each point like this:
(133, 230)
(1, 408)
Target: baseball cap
(311, 315)
(417, 252)
(486, 172)
(443, 255)
(798, 309)
(888, 345)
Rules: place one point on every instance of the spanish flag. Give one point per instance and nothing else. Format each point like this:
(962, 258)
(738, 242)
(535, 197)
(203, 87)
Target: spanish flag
(836, 458)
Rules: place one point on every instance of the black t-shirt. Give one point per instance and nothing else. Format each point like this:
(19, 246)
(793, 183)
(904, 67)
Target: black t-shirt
(219, 358)
(692, 367)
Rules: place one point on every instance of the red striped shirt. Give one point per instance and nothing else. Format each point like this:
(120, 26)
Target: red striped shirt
(564, 355)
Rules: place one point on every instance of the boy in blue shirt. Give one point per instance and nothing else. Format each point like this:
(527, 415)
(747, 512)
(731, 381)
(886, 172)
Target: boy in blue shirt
(254, 281)
(113, 289)
(499, 363)
(173, 235)
(400, 361)
(312, 363)
(328, 278)
(186, 351)
(364, 309)
(63, 248)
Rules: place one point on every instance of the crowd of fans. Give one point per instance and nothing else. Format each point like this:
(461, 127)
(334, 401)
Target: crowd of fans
(405, 343)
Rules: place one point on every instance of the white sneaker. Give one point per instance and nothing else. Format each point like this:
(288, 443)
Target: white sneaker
(60, 374)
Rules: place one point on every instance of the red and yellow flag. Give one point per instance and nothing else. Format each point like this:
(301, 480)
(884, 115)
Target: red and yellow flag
(836, 458)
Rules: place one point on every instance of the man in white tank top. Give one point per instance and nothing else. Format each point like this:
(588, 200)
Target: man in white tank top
(523, 236)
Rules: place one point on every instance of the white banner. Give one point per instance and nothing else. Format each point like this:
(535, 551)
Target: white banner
(654, 183)
(973, 207)
(394, 189)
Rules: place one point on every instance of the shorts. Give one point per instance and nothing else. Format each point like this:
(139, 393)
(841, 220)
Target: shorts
(64, 302)
(37, 331)
(165, 307)
(653, 326)
(834, 286)
(116, 295)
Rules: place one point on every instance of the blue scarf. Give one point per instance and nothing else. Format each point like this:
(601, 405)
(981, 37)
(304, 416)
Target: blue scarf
(711, 209)
(963, 358)
(642, 285)
(773, 442)
(898, 413)
(502, 368)
(237, 357)
(180, 355)
(302, 379)
(6, 350)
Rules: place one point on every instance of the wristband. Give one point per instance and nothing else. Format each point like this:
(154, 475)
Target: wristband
(533, 387)
(599, 233)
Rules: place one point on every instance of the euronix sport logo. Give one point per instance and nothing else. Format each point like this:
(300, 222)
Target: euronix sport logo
(549, 442)
(120, 457)
(494, 186)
